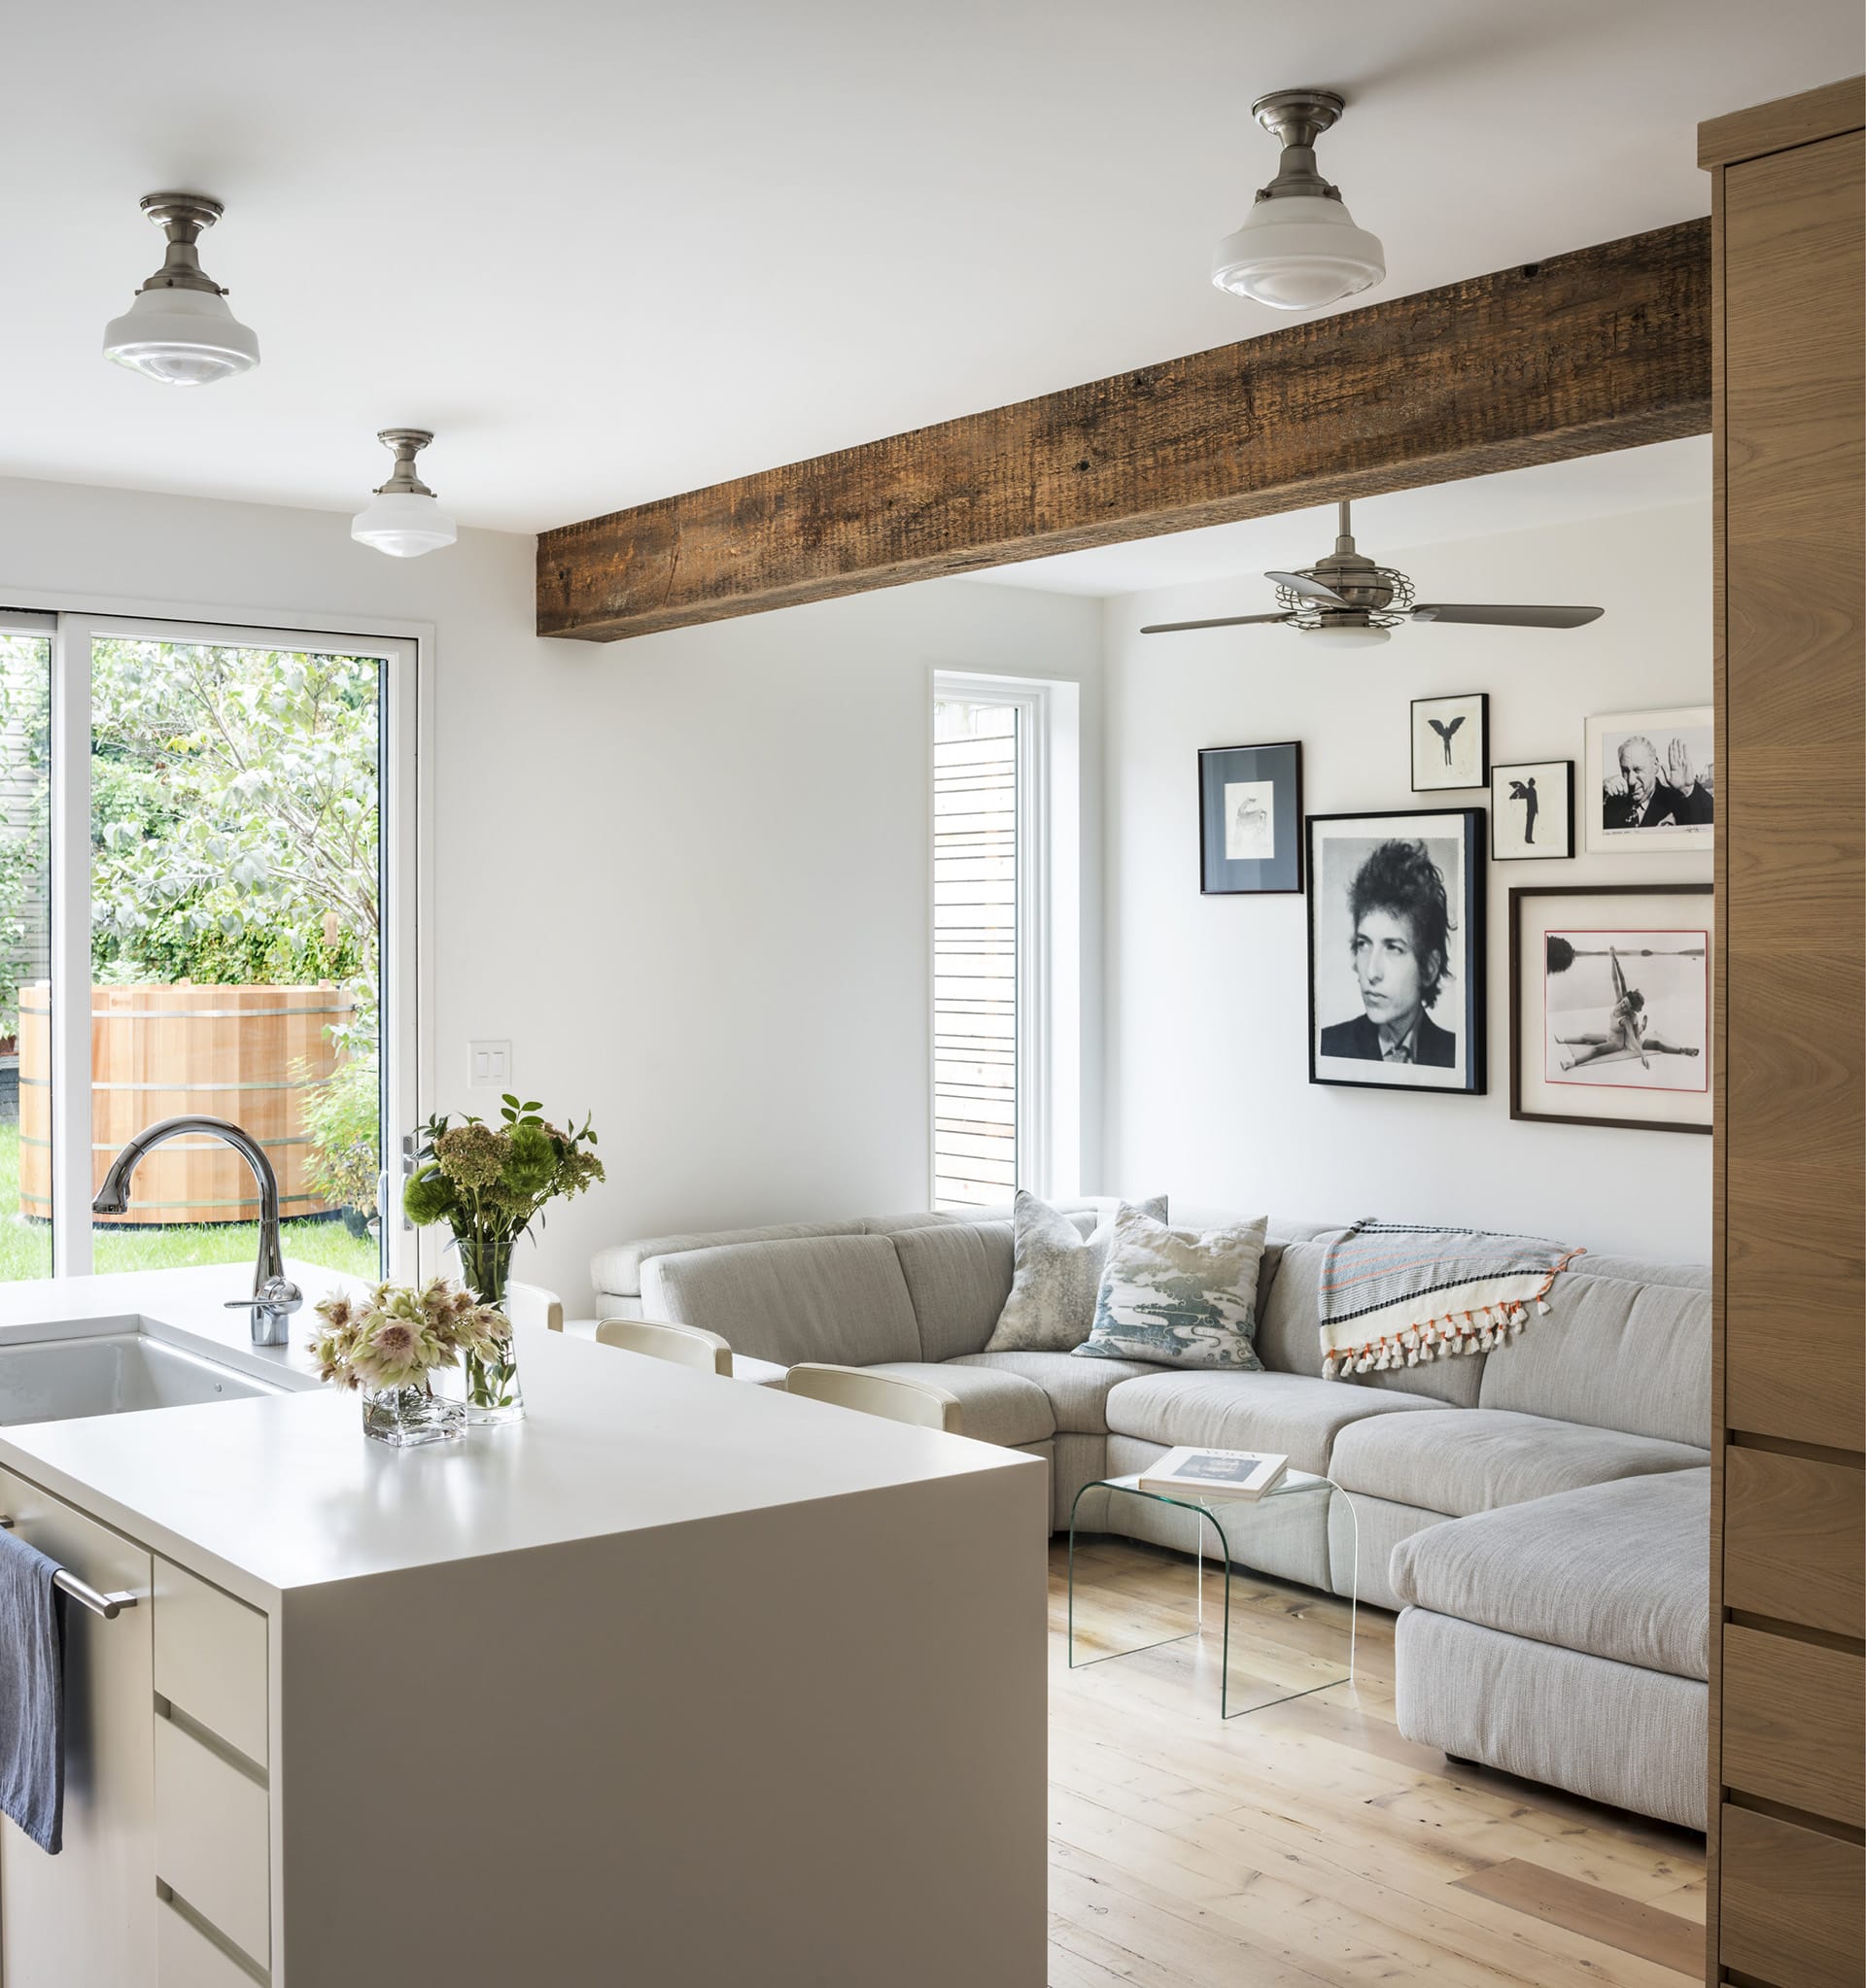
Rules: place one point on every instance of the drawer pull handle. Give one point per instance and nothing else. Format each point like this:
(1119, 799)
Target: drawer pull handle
(109, 1606)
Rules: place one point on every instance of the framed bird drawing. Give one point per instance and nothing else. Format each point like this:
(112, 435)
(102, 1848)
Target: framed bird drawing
(1450, 743)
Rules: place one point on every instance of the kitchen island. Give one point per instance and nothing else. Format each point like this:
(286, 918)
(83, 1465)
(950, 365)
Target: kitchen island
(678, 1681)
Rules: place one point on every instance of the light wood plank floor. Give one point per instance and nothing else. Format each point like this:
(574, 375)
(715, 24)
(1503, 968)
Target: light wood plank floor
(1309, 1844)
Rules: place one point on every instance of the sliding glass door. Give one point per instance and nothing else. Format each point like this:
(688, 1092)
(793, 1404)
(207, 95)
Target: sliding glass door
(207, 864)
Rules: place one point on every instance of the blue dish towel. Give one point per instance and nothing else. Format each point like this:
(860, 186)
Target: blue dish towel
(32, 1694)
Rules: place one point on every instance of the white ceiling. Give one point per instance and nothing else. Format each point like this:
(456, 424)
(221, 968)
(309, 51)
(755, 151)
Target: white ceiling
(1628, 480)
(614, 251)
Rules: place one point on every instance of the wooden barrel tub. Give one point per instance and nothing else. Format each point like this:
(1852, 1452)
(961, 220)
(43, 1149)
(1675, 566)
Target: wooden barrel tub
(156, 1051)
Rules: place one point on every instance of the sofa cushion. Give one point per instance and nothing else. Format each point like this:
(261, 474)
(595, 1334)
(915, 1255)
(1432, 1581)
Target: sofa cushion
(957, 1276)
(1618, 1570)
(1483, 1457)
(1055, 1272)
(617, 1271)
(1289, 1335)
(837, 1298)
(1287, 1412)
(1614, 1352)
(1180, 1297)
(1078, 1389)
(995, 1406)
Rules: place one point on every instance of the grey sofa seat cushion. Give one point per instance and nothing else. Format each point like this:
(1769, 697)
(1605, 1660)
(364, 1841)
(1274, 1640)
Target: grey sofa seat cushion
(1619, 1570)
(1289, 1413)
(994, 1406)
(1615, 1352)
(1078, 1389)
(1483, 1457)
(957, 1277)
(839, 1298)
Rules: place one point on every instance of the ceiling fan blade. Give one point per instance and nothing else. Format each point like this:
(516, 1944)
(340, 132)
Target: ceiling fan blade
(1173, 628)
(1310, 590)
(1508, 617)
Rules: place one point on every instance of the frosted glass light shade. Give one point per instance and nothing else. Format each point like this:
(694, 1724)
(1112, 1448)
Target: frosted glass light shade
(181, 337)
(403, 525)
(1296, 254)
(1349, 634)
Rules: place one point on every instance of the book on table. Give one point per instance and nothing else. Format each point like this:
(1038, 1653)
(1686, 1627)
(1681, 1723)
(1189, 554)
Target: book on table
(1195, 1471)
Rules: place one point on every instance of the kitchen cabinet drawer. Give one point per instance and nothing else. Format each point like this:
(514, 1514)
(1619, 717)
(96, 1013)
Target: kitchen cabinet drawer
(1794, 1540)
(186, 1958)
(213, 1838)
(1789, 1903)
(210, 1658)
(1792, 1722)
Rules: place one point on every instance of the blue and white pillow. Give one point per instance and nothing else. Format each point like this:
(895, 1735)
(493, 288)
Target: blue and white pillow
(1179, 1297)
(1055, 1277)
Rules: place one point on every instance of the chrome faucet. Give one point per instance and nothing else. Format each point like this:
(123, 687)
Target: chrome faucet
(275, 1297)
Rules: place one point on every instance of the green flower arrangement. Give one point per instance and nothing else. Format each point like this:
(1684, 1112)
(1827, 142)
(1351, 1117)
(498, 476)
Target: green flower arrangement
(397, 1336)
(489, 1184)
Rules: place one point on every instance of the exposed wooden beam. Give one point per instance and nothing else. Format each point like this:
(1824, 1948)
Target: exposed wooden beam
(1605, 348)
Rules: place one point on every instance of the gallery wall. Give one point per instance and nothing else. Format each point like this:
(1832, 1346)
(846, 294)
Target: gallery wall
(1206, 1090)
(686, 877)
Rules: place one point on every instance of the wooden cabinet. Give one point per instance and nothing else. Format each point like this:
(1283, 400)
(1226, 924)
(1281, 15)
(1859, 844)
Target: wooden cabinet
(1789, 1667)
(88, 1917)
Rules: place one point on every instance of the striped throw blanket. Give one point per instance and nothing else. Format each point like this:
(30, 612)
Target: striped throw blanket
(1395, 1293)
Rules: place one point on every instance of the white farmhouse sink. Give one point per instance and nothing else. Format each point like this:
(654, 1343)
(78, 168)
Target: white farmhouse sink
(111, 1372)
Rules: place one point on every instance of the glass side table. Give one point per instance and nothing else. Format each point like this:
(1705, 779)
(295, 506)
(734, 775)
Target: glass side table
(1228, 1519)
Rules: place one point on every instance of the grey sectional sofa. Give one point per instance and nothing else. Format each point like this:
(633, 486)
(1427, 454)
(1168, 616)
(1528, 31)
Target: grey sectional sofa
(1537, 1515)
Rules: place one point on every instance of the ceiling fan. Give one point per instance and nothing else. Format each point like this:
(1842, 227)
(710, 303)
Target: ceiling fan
(1352, 603)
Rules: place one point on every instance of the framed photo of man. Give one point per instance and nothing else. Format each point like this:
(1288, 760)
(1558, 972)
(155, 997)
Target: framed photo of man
(1396, 949)
(1649, 782)
(1610, 1004)
(1250, 818)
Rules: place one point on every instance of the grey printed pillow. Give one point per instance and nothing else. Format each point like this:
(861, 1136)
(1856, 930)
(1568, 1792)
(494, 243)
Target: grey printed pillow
(1179, 1297)
(1057, 1271)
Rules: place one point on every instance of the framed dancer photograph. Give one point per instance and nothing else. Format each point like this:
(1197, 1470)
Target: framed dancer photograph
(1396, 949)
(1611, 1005)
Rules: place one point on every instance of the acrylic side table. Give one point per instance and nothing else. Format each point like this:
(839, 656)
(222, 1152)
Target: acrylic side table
(1228, 1519)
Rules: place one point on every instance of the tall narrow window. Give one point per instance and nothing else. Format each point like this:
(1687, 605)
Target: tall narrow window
(979, 893)
(26, 947)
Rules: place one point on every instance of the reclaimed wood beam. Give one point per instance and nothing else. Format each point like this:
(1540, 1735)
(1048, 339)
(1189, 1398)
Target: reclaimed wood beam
(1607, 348)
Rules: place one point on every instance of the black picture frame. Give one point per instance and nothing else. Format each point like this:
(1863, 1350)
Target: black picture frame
(1220, 875)
(1553, 807)
(1523, 894)
(1338, 846)
(1481, 700)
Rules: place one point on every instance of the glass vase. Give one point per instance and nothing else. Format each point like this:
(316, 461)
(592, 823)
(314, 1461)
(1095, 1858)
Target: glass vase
(489, 1381)
(403, 1417)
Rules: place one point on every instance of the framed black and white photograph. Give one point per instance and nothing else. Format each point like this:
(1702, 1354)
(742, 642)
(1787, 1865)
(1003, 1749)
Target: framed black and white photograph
(1250, 818)
(1532, 810)
(1610, 1021)
(1450, 743)
(1649, 782)
(1396, 949)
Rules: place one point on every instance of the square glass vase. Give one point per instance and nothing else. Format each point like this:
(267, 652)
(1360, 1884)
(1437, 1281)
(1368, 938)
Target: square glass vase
(404, 1416)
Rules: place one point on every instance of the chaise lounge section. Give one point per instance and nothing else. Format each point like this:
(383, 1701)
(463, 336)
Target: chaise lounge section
(1537, 1515)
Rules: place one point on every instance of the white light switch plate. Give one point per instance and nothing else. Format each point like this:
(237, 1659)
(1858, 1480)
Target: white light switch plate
(489, 1066)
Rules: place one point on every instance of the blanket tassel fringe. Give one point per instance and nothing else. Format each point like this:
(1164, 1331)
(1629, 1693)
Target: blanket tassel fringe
(1457, 1332)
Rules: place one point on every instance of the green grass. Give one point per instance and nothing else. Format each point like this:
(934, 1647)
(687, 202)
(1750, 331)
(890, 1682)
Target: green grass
(26, 1247)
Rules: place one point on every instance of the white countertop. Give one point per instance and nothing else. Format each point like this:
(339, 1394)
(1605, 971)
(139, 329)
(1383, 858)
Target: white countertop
(276, 1492)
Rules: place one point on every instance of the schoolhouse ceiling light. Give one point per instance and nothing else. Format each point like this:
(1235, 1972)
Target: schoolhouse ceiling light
(179, 329)
(1298, 248)
(405, 519)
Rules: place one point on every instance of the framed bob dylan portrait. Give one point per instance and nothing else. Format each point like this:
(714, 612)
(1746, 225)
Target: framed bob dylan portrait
(1650, 782)
(1250, 818)
(1450, 743)
(1610, 1004)
(1532, 810)
(1396, 949)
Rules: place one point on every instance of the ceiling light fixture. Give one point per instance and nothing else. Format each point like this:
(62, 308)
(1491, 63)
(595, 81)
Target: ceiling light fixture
(405, 520)
(1299, 248)
(180, 331)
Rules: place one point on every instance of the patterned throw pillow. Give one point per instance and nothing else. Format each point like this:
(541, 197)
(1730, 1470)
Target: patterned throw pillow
(1179, 1297)
(1055, 1275)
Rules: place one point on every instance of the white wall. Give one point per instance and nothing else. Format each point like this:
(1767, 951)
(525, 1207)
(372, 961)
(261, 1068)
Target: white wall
(686, 876)
(1206, 1081)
